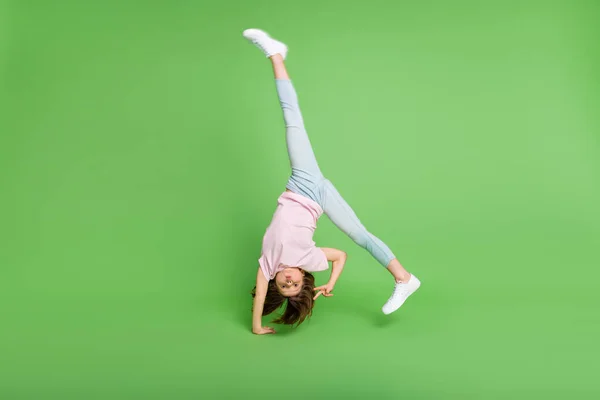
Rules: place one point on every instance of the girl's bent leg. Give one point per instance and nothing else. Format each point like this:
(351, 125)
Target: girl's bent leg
(342, 215)
(398, 271)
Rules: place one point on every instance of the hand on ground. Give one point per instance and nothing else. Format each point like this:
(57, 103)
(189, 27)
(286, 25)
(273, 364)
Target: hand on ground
(263, 330)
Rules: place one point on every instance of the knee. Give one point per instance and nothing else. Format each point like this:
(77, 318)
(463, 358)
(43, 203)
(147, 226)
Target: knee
(292, 119)
(360, 237)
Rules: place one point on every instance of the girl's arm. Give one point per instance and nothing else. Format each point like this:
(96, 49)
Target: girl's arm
(338, 260)
(259, 301)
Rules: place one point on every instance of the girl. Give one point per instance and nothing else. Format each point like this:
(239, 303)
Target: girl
(288, 253)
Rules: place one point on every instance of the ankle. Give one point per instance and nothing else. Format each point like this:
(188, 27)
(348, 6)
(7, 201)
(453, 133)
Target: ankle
(404, 278)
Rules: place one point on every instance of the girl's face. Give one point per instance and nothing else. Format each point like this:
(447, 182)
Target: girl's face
(289, 281)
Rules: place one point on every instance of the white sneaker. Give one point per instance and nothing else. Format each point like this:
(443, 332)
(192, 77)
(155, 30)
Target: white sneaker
(401, 293)
(266, 43)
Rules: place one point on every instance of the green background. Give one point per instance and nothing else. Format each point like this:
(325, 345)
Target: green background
(142, 152)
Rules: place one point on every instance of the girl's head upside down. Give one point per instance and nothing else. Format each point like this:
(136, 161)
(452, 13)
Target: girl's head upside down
(295, 288)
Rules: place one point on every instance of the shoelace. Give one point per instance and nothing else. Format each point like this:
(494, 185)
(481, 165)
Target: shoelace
(400, 289)
(260, 44)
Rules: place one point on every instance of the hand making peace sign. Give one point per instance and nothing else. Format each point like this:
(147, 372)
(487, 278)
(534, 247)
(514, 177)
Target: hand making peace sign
(324, 290)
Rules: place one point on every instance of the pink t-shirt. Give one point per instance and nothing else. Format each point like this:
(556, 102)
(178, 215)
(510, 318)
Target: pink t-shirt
(288, 239)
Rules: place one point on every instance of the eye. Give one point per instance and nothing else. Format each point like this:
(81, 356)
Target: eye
(296, 285)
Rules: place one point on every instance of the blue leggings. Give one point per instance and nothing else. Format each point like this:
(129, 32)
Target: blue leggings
(308, 180)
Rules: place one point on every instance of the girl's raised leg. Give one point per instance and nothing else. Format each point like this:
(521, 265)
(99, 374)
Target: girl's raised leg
(279, 69)
(300, 151)
(306, 177)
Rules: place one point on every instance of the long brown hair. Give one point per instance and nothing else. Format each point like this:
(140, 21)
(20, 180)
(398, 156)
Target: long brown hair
(297, 308)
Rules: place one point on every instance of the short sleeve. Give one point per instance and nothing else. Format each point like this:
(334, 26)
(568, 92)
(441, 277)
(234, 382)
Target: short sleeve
(264, 267)
(316, 261)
